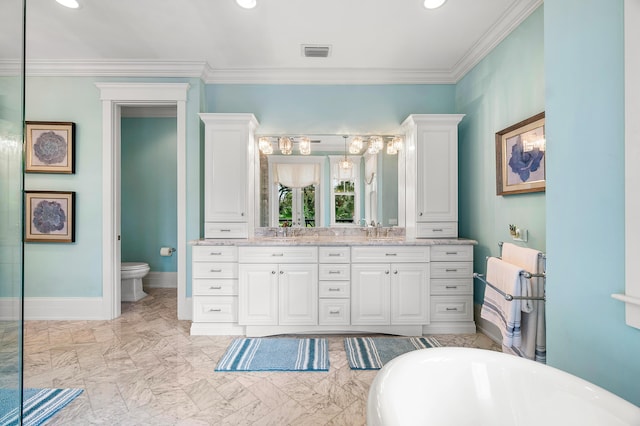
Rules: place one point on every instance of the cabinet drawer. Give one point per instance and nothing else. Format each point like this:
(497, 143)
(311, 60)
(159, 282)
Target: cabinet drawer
(224, 287)
(334, 289)
(437, 230)
(333, 312)
(215, 309)
(215, 270)
(337, 272)
(215, 253)
(451, 308)
(294, 254)
(451, 269)
(226, 230)
(451, 253)
(389, 254)
(334, 254)
(445, 287)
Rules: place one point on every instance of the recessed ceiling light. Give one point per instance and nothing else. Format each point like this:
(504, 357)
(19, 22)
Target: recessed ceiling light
(433, 4)
(73, 4)
(247, 4)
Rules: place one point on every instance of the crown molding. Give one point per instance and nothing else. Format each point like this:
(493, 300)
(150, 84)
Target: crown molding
(326, 76)
(508, 21)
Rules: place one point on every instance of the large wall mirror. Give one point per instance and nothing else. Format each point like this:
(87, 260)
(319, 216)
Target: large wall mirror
(327, 180)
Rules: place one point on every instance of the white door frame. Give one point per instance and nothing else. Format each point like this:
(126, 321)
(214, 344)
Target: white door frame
(113, 97)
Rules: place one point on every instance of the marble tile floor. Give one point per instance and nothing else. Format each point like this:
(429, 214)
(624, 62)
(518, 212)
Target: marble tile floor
(145, 369)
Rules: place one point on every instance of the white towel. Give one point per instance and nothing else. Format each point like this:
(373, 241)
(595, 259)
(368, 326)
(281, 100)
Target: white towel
(507, 315)
(534, 340)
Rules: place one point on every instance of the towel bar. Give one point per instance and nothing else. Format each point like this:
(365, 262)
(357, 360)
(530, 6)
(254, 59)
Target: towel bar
(526, 274)
(508, 296)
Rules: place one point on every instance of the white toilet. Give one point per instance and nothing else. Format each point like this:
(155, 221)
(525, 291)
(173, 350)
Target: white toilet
(131, 274)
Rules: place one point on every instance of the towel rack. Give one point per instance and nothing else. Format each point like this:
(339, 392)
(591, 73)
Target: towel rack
(508, 296)
(525, 274)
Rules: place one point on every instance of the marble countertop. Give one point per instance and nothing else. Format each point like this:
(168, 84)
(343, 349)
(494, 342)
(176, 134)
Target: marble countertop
(341, 240)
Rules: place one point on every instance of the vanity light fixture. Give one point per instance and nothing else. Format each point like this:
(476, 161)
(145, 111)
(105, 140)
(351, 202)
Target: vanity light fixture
(72, 4)
(375, 145)
(304, 145)
(345, 164)
(356, 145)
(247, 4)
(264, 145)
(433, 4)
(285, 145)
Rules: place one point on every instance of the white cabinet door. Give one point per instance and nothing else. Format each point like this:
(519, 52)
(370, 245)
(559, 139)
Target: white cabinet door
(370, 294)
(298, 286)
(437, 174)
(258, 294)
(410, 293)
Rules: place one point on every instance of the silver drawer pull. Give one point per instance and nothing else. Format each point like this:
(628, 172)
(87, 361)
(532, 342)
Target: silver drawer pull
(334, 312)
(452, 309)
(215, 253)
(451, 252)
(391, 254)
(215, 310)
(451, 270)
(216, 270)
(334, 272)
(451, 286)
(334, 255)
(437, 229)
(334, 289)
(225, 230)
(215, 288)
(277, 254)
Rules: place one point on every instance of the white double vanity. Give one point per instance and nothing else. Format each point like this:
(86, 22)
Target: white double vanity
(410, 279)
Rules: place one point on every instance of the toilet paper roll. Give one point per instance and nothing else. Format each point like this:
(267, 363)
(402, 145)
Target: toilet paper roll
(166, 251)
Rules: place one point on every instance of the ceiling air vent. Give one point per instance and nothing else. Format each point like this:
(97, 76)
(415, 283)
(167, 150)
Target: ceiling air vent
(315, 51)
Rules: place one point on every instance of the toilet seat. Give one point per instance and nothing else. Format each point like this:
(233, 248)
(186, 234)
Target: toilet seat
(133, 266)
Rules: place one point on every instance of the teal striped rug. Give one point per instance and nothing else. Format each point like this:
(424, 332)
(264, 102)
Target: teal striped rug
(38, 405)
(371, 353)
(275, 354)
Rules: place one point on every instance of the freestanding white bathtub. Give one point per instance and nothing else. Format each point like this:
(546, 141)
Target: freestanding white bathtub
(465, 386)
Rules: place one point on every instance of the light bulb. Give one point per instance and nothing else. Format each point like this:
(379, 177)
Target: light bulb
(433, 4)
(304, 145)
(285, 145)
(73, 4)
(391, 149)
(247, 4)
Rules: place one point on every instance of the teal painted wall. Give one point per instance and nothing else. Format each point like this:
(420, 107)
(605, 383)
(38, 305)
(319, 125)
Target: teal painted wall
(505, 88)
(328, 108)
(75, 270)
(584, 68)
(149, 191)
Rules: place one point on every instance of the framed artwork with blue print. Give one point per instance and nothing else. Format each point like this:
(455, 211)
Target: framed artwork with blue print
(50, 147)
(49, 216)
(521, 157)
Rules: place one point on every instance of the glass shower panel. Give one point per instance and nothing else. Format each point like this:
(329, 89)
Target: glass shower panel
(11, 184)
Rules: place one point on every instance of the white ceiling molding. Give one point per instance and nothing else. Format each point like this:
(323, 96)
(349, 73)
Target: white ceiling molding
(509, 21)
(326, 76)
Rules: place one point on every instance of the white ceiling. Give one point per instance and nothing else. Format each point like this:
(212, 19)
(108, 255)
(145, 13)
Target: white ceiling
(372, 41)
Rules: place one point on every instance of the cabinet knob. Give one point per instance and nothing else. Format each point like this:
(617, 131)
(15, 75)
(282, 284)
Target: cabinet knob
(420, 214)
(451, 286)
(452, 309)
(395, 272)
(242, 214)
(216, 270)
(215, 310)
(215, 253)
(273, 272)
(334, 312)
(386, 272)
(281, 272)
(215, 288)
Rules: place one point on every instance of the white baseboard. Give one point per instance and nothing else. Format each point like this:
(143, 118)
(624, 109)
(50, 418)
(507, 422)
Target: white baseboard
(485, 327)
(54, 308)
(161, 280)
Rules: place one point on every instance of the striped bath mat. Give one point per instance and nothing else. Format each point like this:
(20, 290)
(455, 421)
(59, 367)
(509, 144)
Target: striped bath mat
(371, 353)
(38, 405)
(275, 354)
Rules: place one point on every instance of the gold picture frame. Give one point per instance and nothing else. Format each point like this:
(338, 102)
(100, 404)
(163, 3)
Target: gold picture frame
(49, 216)
(521, 157)
(50, 147)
